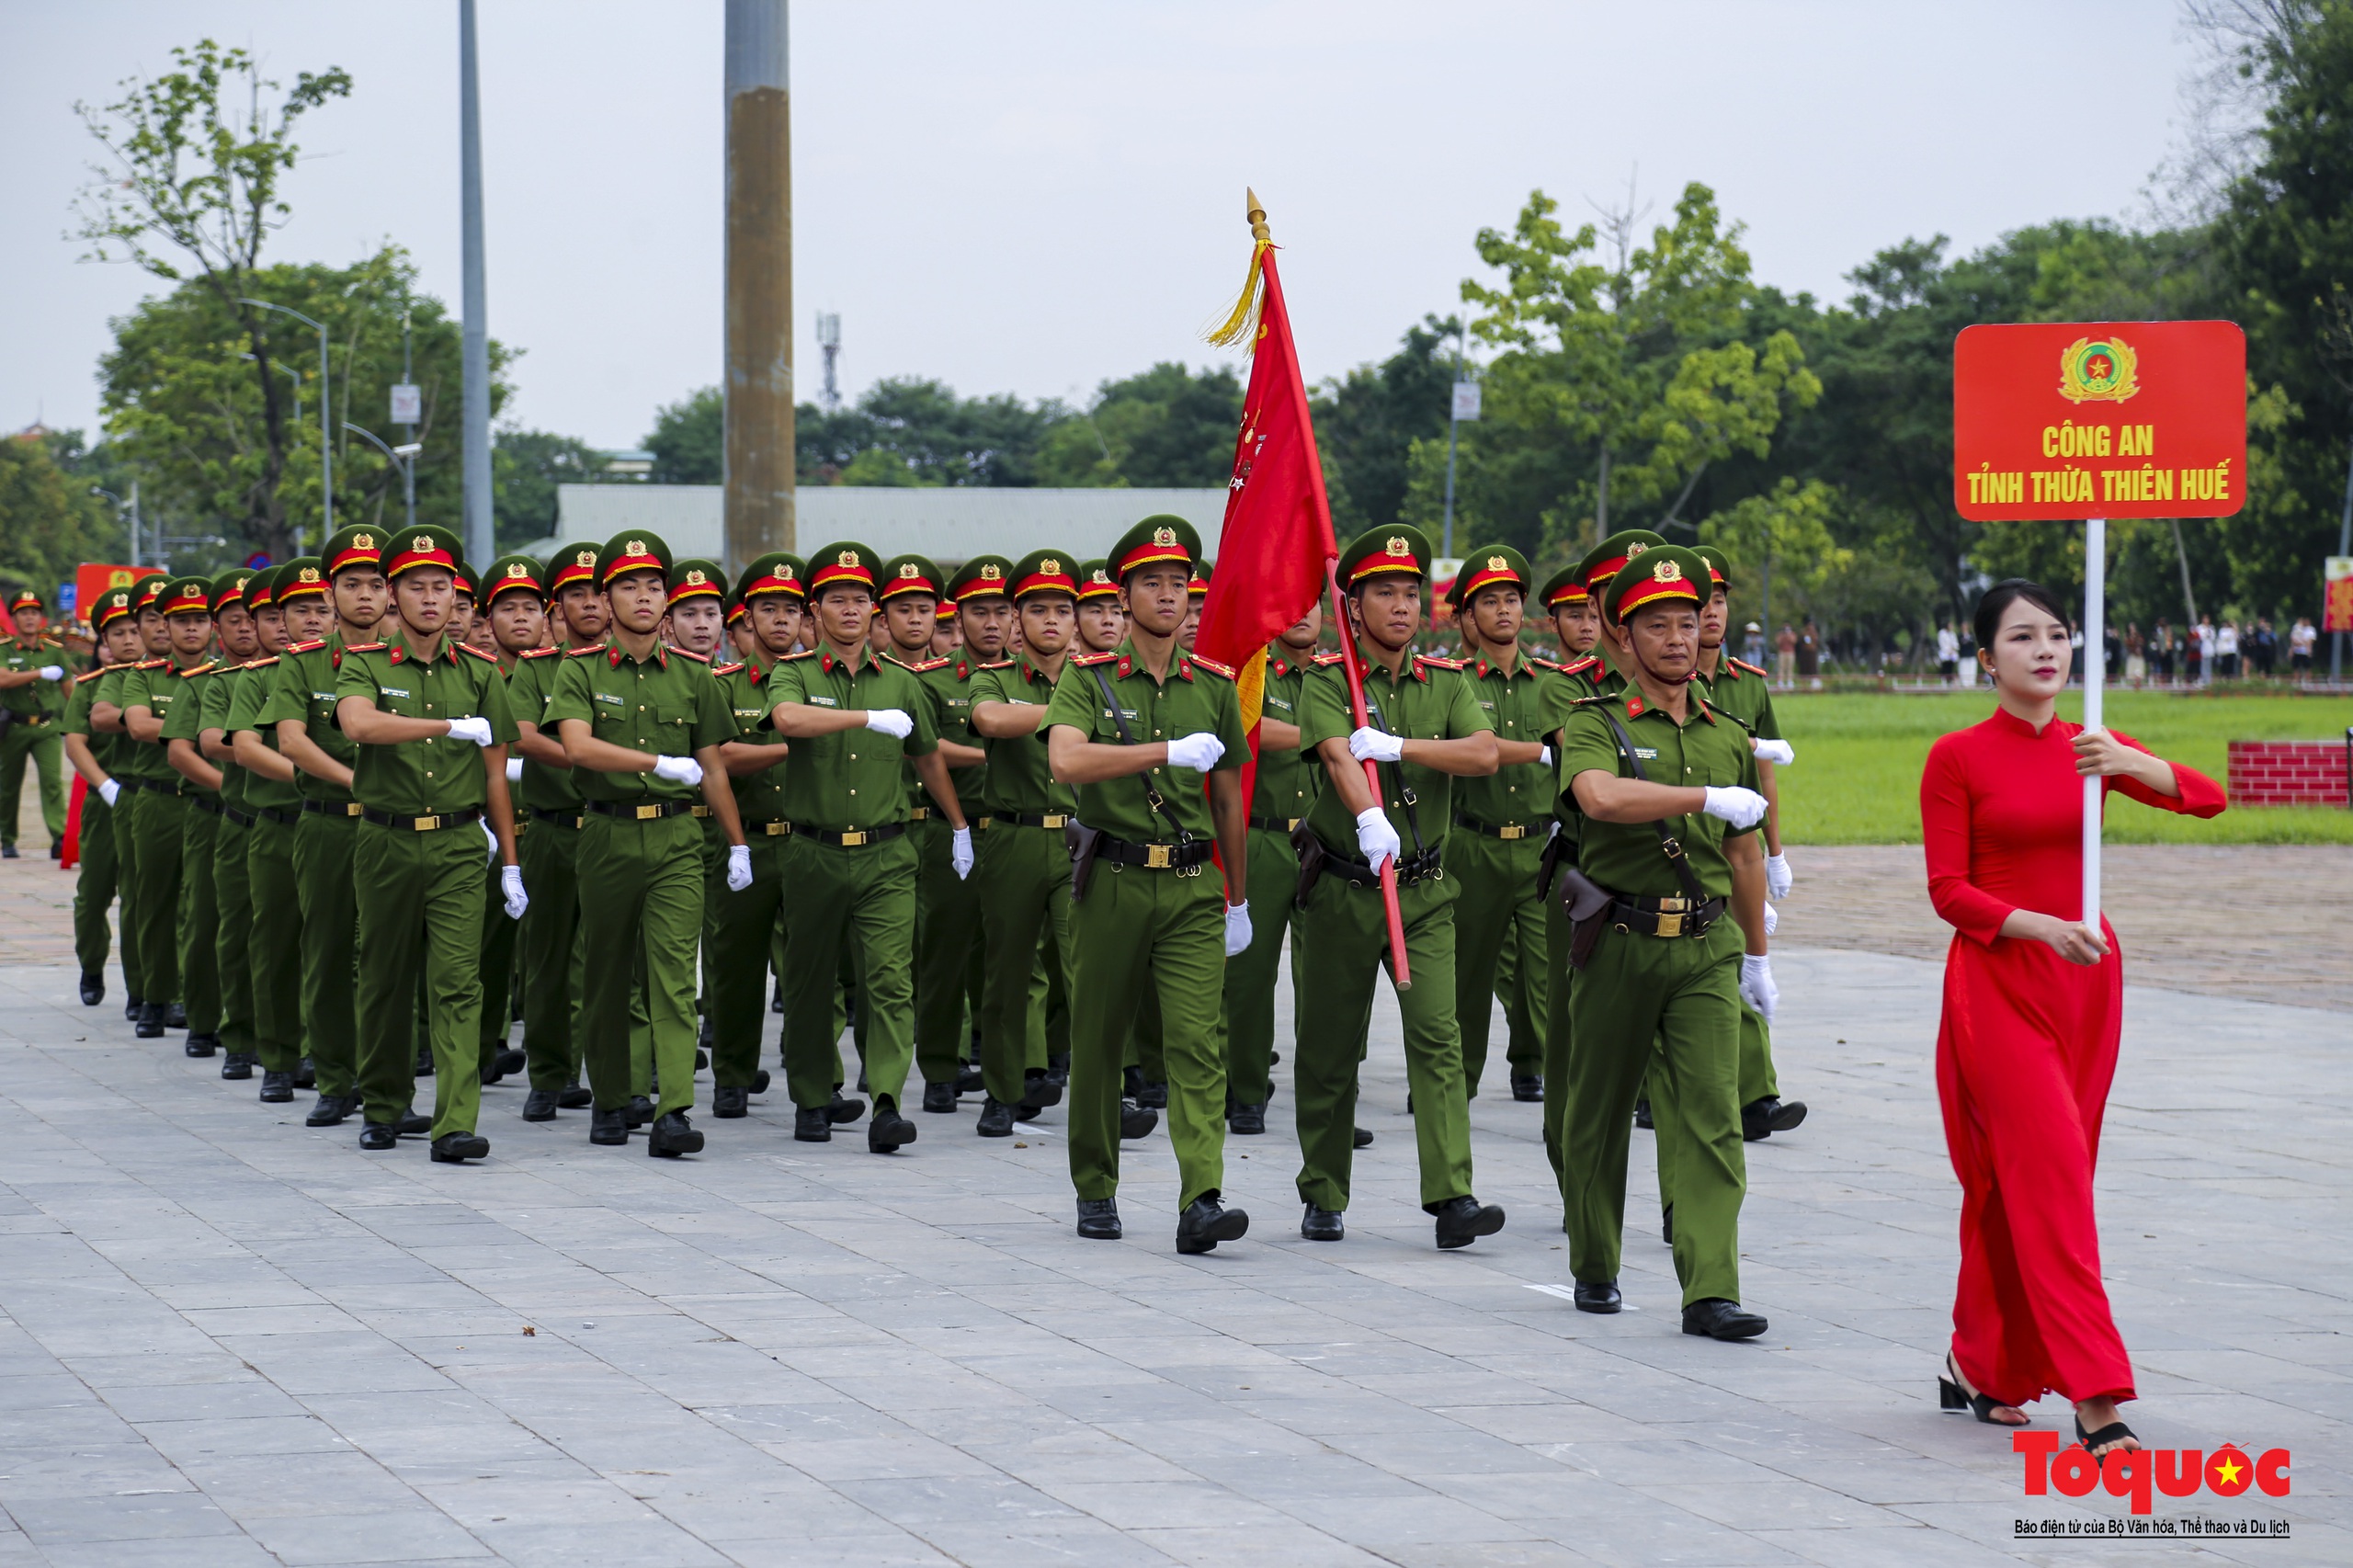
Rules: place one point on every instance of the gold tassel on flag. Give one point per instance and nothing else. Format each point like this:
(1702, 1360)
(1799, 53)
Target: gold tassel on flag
(1241, 324)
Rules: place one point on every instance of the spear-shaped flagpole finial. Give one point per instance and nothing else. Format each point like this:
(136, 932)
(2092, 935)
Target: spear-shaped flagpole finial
(1257, 215)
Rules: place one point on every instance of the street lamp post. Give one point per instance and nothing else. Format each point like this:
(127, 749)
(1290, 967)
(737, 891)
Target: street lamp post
(403, 457)
(121, 505)
(327, 440)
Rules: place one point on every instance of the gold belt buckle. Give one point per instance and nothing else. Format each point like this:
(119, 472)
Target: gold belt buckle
(776, 829)
(1159, 857)
(1054, 819)
(426, 824)
(1291, 825)
(352, 808)
(647, 814)
(699, 811)
(1517, 830)
(854, 839)
(919, 814)
(1670, 925)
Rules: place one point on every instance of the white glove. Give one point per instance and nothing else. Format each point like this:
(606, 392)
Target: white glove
(1544, 755)
(1772, 921)
(514, 770)
(1778, 752)
(678, 770)
(110, 792)
(739, 867)
(476, 728)
(1376, 840)
(1197, 751)
(52, 672)
(1756, 987)
(890, 721)
(959, 852)
(1778, 881)
(1369, 744)
(1237, 928)
(510, 883)
(1742, 808)
(490, 832)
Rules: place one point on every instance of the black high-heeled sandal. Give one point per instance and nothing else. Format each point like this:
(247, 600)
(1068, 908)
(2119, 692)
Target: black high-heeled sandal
(1952, 1395)
(2105, 1438)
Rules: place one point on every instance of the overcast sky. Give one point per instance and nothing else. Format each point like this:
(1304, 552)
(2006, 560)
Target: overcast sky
(1033, 198)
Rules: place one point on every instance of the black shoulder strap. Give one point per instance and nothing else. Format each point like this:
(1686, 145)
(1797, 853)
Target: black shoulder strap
(1152, 797)
(1666, 841)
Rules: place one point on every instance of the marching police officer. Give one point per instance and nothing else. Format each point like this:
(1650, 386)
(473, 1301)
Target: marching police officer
(1135, 731)
(126, 767)
(93, 755)
(216, 920)
(34, 686)
(642, 723)
(511, 621)
(1426, 730)
(150, 692)
(1666, 788)
(851, 717)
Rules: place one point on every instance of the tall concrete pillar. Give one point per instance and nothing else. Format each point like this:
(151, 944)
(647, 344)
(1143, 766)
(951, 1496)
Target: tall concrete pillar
(760, 452)
(473, 356)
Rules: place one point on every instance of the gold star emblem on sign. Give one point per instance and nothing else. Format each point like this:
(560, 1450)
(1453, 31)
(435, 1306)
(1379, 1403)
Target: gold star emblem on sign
(2228, 1470)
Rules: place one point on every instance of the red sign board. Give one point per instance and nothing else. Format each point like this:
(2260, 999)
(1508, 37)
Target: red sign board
(2099, 419)
(92, 579)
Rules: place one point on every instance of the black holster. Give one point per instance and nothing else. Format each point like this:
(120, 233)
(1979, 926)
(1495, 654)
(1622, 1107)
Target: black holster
(1310, 849)
(1084, 844)
(1587, 904)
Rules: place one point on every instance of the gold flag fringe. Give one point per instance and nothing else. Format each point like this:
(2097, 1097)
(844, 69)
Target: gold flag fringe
(1241, 325)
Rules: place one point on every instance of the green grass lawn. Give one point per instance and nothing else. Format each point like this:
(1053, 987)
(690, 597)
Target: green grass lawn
(1858, 774)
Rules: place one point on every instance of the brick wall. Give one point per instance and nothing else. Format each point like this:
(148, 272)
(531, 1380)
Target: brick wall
(2288, 773)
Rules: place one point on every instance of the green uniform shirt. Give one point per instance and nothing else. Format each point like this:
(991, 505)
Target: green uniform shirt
(206, 707)
(424, 777)
(665, 704)
(78, 712)
(1196, 697)
(851, 779)
(1288, 781)
(748, 689)
(1741, 690)
(1019, 781)
(1518, 794)
(1562, 687)
(1429, 701)
(1707, 749)
(529, 687)
(305, 689)
(154, 685)
(42, 699)
(246, 700)
(949, 682)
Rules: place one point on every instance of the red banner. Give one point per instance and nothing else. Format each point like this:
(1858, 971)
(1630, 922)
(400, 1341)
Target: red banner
(2099, 419)
(92, 579)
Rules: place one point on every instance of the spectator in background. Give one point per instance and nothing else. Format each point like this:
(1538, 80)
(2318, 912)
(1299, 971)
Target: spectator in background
(2161, 651)
(2112, 661)
(1948, 654)
(1810, 653)
(2300, 638)
(2075, 652)
(1785, 657)
(2136, 655)
(2266, 648)
(2201, 650)
(1752, 645)
(2226, 650)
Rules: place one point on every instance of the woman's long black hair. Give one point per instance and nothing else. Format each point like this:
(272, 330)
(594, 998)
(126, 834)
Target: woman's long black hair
(2002, 596)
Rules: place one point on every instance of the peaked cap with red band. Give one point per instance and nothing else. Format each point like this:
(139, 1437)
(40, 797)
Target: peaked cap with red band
(1095, 581)
(1565, 586)
(25, 598)
(187, 595)
(843, 560)
(1487, 566)
(512, 573)
(635, 551)
(1719, 565)
(909, 575)
(1378, 551)
(149, 591)
(1612, 555)
(697, 578)
(303, 575)
(574, 563)
(984, 576)
(359, 545)
(1163, 538)
(1045, 571)
(113, 604)
(1199, 583)
(428, 544)
(775, 573)
(230, 589)
(1668, 572)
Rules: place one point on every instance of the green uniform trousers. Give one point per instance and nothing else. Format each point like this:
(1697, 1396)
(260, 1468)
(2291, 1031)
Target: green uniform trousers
(1559, 983)
(1498, 905)
(1670, 1006)
(199, 920)
(1247, 1015)
(324, 845)
(1347, 947)
(714, 883)
(859, 903)
(417, 899)
(232, 932)
(127, 889)
(161, 827)
(44, 744)
(498, 939)
(275, 955)
(640, 926)
(736, 957)
(1757, 1082)
(101, 875)
(551, 950)
(1161, 933)
(1023, 874)
(948, 957)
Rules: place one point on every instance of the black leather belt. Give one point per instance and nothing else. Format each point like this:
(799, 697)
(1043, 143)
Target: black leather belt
(1155, 856)
(283, 819)
(640, 810)
(1410, 869)
(242, 819)
(776, 829)
(1276, 824)
(854, 838)
(156, 785)
(334, 808)
(1033, 819)
(212, 804)
(423, 824)
(565, 819)
(1507, 831)
(1665, 916)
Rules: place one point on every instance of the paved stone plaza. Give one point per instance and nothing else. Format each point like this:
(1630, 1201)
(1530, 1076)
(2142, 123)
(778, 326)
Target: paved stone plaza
(226, 1339)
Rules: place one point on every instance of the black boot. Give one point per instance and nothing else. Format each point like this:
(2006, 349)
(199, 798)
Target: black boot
(811, 1124)
(1759, 1119)
(1039, 1091)
(1716, 1318)
(423, 1061)
(540, 1106)
(1098, 1219)
(176, 1017)
(131, 1006)
(1246, 1120)
(1206, 1222)
(413, 1124)
(969, 1079)
(1600, 1297)
(1135, 1121)
(237, 1065)
(728, 1103)
(610, 1127)
(1323, 1225)
(844, 1109)
(329, 1110)
(671, 1136)
(889, 1132)
(639, 1112)
(1462, 1221)
(378, 1136)
(94, 989)
(1155, 1097)
(1527, 1087)
(759, 1084)
(457, 1148)
(940, 1098)
(306, 1077)
(575, 1095)
(277, 1088)
(996, 1119)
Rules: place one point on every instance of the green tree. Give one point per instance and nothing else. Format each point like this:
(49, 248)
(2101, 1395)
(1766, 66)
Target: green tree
(526, 466)
(1368, 424)
(689, 439)
(190, 192)
(49, 523)
(1168, 428)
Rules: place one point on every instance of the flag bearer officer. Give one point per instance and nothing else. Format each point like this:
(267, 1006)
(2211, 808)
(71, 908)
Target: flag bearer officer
(1427, 730)
(1661, 990)
(642, 723)
(429, 717)
(851, 718)
(1136, 731)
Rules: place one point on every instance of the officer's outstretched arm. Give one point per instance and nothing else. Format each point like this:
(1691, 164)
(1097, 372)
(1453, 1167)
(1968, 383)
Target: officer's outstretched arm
(537, 745)
(743, 758)
(106, 717)
(1471, 756)
(800, 721)
(580, 745)
(372, 726)
(1748, 889)
(1074, 759)
(1605, 797)
(1004, 721)
(1346, 775)
(139, 722)
(84, 761)
(718, 793)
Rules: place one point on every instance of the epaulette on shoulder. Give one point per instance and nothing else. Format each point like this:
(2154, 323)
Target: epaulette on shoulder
(1744, 664)
(1325, 661)
(470, 648)
(690, 654)
(925, 667)
(1214, 668)
(1589, 701)
(578, 653)
(313, 646)
(49, 641)
(1089, 661)
(539, 652)
(996, 664)
(263, 663)
(798, 653)
(1436, 663)
(363, 647)
(205, 669)
(1579, 666)
(727, 669)
(1553, 664)
(152, 665)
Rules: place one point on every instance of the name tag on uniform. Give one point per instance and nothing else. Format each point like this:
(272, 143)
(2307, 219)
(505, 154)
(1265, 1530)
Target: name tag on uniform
(1278, 702)
(323, 697)
(609, 696)
(1124, 712)
(391, 691)
(1648, 754)
(1488, 706)
(749, 712)
(823, 702)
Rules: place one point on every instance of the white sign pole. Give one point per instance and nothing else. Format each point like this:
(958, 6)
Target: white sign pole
(2095, 677)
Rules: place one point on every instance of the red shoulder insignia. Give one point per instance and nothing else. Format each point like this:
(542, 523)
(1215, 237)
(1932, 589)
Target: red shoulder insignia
(363, 647)
(1743, 664)
(577, 653)
(1215, 668)
(470, 648)
(312, 646)
(727, 669)
(539, 652)
(690, 654)
(1553, 664)
(1090, 660)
